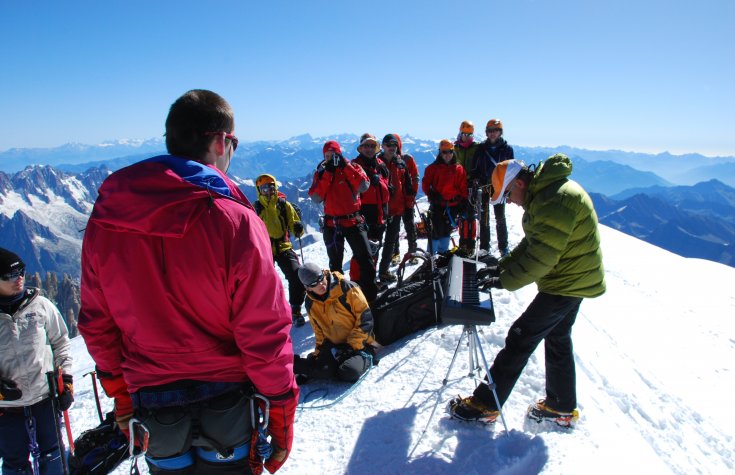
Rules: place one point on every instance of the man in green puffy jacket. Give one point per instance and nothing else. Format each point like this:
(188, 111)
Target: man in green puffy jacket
(561, 252)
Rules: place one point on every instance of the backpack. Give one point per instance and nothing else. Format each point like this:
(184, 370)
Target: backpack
(98, 451)
(411, 306)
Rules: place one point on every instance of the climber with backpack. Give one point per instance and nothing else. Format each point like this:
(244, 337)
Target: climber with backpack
(345, 348)
(282, 219)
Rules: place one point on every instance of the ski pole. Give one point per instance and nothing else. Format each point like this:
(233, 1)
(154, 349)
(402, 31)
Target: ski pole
(301, 250)
(51, 379)
(67, 425)
(93, 375)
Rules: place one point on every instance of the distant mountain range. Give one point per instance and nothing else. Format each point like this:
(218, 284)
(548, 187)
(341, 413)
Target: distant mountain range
(297, 156)
(692, 221)
(44, 209)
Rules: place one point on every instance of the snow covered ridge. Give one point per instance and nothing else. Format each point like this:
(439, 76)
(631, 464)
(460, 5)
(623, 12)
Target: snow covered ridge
(43, 212)
(655, 371)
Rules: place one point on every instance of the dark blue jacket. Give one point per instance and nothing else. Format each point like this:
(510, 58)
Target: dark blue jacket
(486, 157)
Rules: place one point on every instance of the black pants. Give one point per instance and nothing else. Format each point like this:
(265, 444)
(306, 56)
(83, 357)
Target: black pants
(410, 226)
(14, 439)
(356, 236)
(334, 362)
(549, 318)
(288, 261)
(391, 240)
(500, 225)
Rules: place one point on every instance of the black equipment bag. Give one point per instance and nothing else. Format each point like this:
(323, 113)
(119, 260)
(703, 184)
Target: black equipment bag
(98, 451)
(409, 307)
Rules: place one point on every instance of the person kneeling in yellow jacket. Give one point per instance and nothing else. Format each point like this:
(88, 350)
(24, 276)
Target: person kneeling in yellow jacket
(343, 327)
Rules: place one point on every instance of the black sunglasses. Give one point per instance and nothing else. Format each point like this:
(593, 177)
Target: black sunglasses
(12, 276)
(267, 187)
(316, 282)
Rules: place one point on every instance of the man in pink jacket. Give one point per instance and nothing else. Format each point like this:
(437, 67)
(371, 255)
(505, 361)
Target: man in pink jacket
(182, 309)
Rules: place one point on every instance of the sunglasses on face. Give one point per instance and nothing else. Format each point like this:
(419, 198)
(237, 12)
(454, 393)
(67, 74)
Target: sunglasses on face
(508, 191)
(316, 282)
(447, 152)
(268, 188)
(228, 136)
(15, 275)
(466, 135)
(490, 131)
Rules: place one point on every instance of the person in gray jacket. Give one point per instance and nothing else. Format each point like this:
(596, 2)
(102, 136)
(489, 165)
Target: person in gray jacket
(33, 341)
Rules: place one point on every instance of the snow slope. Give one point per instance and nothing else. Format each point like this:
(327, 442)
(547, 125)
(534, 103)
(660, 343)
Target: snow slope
(655, 359)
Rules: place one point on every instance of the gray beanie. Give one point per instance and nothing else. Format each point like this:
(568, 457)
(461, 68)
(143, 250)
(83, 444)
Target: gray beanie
(309, 273)
(10, 262)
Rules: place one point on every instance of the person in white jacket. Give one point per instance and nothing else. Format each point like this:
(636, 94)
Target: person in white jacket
(33, 341)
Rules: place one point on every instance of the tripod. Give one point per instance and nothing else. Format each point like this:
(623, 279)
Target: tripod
(475, 350)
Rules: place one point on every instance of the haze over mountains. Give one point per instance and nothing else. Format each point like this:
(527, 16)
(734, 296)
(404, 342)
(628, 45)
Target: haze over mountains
(44, 207)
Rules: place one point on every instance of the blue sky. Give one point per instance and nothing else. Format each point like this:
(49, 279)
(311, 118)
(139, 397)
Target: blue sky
(642, 75)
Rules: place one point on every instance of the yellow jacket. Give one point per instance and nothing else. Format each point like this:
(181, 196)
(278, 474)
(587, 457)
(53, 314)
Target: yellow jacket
(342, 315)
(272, 215)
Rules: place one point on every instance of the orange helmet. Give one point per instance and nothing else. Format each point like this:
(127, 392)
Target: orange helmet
(503, 175)
(467, 127)
(445, 145)
(494, 124)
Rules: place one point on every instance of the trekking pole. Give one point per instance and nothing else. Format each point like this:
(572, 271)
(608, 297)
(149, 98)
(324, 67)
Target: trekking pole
(93, 375)
(51, 379)
(67, 425)
(301, 250)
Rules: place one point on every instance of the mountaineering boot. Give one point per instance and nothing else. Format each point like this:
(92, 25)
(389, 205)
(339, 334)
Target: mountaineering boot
(471, 409)
(395, 259)
(540, 412)
(386, 276)
(298, 319)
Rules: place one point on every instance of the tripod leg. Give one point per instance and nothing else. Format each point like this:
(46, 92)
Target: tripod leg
(474, 363)
(454, 357)
(490, 381)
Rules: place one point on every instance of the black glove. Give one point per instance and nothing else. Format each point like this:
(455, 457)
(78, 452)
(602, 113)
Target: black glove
(375, 179)
(339, 159)
(488, 271)
(298, 228)
(489, 283)
(343, 352)
(370, 350)
(67, 395)
(9, 390)
(329, 166)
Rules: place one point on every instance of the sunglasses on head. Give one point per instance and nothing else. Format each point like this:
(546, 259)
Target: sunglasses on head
(228, 136)
(316, 282)
(11, 276)
(267, 187)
